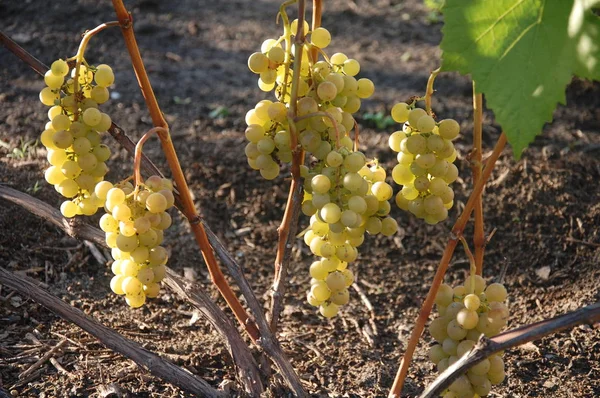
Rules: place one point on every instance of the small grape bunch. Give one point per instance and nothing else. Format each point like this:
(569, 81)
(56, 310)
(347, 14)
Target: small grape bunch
(425, 166)
(134, 225)
(72, 136)
(269, 138)
(467, 312)
(347, 199)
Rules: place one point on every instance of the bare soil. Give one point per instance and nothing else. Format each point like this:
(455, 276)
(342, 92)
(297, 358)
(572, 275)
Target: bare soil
(544, 208)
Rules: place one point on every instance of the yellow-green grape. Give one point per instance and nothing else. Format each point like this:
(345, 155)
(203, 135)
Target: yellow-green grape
(135, 300)
(496, 292)
(329, 310)
(320, 37)
(104, 75)
(68, 209)
(116, 284)
(449, 129)
(400, 112)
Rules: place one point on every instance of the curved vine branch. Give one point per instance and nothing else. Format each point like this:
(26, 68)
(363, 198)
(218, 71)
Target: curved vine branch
(512, 338)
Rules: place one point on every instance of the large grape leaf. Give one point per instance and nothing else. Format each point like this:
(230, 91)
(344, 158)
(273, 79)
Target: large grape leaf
(522, 54)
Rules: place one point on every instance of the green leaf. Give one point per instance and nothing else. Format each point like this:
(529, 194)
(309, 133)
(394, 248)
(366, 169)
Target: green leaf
(522, 54)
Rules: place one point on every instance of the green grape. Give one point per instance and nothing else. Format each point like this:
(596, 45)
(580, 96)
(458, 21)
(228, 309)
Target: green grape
(48, 96)
(336, 281)
(416, 144)
(152, 289)
(365, 88)
(104, 75)
(449, 346)
(136, 300)
(121, 212)
(62, 139)
(467, 319)
(320, 37)
(436, 353)
(400, 112)
(331, 213)
(472, 302)
(445, 295)
(329, 310)
(389, 226)
(425, 124)
(68, 209)
(126, 243)
(92, 117)
(414, 115)
(496, 292)
(449, 129)
(59, 68)
(351, 67)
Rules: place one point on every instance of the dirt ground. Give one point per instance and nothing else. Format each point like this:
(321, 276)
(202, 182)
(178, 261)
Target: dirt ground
(544, 208)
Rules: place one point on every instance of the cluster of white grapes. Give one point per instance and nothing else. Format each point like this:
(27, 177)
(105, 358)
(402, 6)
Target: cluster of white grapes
(345, 195)
(327, 89)
(134, 223)
(466, 312)
(425, 166)
(72, 136)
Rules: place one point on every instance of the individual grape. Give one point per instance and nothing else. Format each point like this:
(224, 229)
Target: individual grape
(449, 129)
(444, 296)
(135, 301)
(472, 302)
(68, 209)
(425, 124)
(496, 292)
(436, 353)
(414, 115)
(400, 112)
(329, 310)
(320, 37)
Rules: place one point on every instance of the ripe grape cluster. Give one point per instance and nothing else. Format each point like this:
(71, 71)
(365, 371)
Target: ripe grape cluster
(327, 89)
(134, 223)
(72, 136)
(466, 312)
(425, 166)
(345, 194)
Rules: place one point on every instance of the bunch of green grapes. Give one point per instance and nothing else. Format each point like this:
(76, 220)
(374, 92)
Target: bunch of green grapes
(425, 162)
(465, 313)
(345, 200)
(72, 136)
(134, 225)
(327, 89)
(344, 195)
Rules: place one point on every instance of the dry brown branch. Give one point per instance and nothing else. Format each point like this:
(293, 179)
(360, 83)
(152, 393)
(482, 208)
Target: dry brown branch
(486, 347)
(153, 363)
(246, 366)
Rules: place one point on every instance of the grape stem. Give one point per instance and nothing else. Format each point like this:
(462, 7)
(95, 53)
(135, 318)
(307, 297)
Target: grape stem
(429, 90)
(189, 208)
(457, 231)
(472, 267)
(479, 240)
(80, 53)
(137, 173)
(289, 223)
(512, 338)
